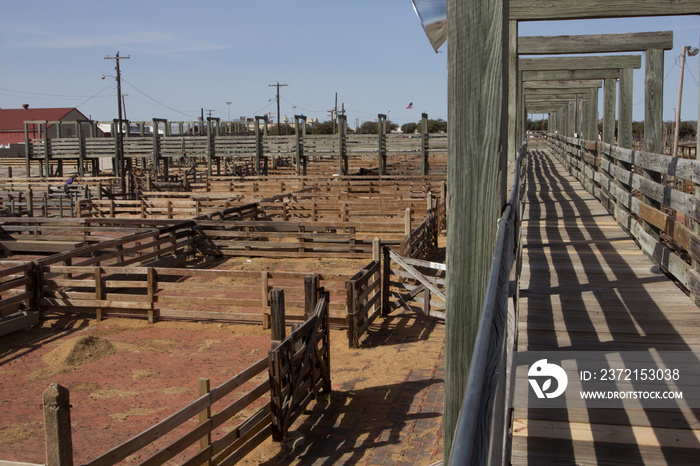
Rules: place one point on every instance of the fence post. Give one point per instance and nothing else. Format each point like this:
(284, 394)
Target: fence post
(376, 249)
(381, 130)
(57, 427)
(264, 280)
(310, 295)
(152, 284)
(424, 148)
(98, 292)
(204, 416)
(277, 323)
(406, 246)
(386, 276)
(351, 310)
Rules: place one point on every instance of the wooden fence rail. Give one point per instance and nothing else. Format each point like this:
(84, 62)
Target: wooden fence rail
(228, 449)
(482, 432)
(652, 196)
(407, 279)
(364, 292)
(299, 369)
(18, 308)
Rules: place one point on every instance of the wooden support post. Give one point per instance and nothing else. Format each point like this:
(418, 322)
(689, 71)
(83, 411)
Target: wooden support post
(653, 100)
(610, 99)
(204, 416)
(381, 130)
(653, 122)
(99, 293)
(625, 106)
(264, 280)
(376, 249)
(477, 34)
(424, 146)
(57, 426)
(30, 202)
(342, 146)
(386, 276)
(152, 281)
(310, 295)
(277, 317)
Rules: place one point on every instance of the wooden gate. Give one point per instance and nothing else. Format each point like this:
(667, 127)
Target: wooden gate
(299, 368)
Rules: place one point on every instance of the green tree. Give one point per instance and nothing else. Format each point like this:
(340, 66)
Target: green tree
(409, 127)
(434, 126)
(322, 128)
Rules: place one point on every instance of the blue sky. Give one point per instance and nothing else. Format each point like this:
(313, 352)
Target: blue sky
(189, 55)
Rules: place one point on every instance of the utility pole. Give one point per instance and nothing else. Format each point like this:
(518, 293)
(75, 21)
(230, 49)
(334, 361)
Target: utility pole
(278, 85)
(120, 142)
(691, 53)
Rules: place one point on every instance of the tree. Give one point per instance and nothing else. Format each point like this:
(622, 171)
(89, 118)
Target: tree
(434, 126)
(322, 128)
(368, 127)
(409, 127)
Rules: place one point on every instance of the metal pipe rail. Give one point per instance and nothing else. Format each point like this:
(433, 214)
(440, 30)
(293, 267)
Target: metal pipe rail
(482, 427)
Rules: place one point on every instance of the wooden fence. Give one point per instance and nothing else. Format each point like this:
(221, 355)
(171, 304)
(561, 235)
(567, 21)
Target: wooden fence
(181, 293)
(245, 154)
(18, 308)
(654, 198)
(407, 278)
(300, 369)
(364, 293)
(182, 446)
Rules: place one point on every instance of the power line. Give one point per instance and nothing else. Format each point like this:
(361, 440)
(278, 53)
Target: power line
(278, 85)
(157, 101)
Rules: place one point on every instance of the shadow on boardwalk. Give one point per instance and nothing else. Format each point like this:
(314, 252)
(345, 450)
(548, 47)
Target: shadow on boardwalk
(591, 289)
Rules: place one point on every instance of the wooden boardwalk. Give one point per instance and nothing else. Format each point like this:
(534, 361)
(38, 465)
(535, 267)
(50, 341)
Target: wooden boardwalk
(587, 286)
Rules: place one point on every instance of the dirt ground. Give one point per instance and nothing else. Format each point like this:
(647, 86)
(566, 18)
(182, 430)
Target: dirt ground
(124, 375)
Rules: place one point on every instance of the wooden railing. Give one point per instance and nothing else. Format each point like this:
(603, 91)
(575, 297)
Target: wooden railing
(278, 388)
(481, 436)
(18, 308)
(654, 197)
(230, 447)
(175, 293)
(364, 292)
(407, 279)
(300, 369)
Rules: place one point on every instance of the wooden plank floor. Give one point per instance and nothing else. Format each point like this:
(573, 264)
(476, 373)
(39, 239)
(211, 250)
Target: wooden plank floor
(586, 286)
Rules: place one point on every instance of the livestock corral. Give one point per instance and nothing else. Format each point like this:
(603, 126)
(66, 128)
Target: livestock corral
(196, 318)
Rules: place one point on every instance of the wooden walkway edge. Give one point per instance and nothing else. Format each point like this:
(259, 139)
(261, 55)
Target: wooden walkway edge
(586, 286)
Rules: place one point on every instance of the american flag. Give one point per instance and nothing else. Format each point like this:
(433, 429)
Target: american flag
(410, 105)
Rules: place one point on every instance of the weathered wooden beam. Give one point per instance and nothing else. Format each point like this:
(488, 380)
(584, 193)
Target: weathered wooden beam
(580, 63)
(563, 84)
(477, 32)
(555, 92)
(568, 75)
(609, 101)
(541, 10)
(595, 43)
(624, 109)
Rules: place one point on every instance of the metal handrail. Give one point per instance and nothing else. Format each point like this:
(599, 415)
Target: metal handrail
(469, 429)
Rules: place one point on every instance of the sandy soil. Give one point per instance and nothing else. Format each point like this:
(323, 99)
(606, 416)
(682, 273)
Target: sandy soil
(124, 375)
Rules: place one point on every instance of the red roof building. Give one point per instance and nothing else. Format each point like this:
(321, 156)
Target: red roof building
(12, 126)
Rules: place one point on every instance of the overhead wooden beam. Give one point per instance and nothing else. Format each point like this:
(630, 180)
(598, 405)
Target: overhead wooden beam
(541, 10)
(568, 75)
(580, 63)
(595, 43)
(562, 84)
(555, 92)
